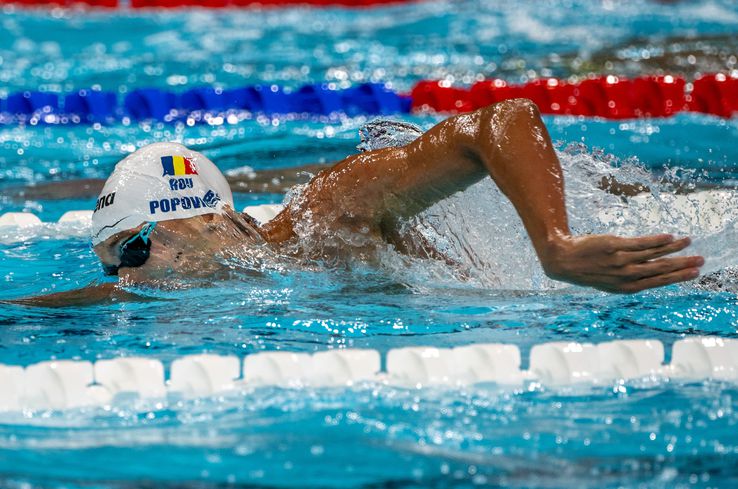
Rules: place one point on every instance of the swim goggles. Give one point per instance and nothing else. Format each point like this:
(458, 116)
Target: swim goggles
(134, 251)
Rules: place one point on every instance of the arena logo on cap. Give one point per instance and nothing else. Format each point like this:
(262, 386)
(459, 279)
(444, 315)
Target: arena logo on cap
(176, 165)
(104, 201)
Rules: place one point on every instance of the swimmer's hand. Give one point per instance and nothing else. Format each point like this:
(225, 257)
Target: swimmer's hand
(616, 264)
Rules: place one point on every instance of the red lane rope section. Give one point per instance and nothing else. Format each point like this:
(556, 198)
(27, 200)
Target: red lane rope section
(611, 97)
(199, 3)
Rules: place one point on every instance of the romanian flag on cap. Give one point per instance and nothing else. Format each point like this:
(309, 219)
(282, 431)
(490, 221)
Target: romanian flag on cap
(177, 165)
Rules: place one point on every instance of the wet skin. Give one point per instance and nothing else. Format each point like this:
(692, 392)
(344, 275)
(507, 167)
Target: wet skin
(509, 143)
(370, 193)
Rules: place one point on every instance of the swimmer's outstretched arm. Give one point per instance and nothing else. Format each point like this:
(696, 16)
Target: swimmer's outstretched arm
(509, 142)
(93, 294)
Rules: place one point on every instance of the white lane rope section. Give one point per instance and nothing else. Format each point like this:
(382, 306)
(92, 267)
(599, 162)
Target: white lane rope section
(66, 384)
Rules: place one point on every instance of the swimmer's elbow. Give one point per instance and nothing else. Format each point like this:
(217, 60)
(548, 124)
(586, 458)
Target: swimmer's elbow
(506, 124)
(509, 111)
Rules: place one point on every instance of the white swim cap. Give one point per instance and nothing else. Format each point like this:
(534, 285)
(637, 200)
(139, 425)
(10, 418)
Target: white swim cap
(159, 182)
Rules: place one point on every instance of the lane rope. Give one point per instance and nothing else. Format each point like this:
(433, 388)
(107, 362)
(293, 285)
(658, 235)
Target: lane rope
(200, 104)
(610, 97)
(68, 384)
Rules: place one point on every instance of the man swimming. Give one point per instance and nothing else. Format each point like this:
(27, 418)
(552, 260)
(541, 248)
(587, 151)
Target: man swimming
(159, 205)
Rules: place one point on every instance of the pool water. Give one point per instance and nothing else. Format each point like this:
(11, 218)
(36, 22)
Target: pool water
(646, 433)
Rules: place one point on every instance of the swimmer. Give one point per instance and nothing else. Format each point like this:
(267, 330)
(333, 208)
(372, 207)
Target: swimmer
(167, 211)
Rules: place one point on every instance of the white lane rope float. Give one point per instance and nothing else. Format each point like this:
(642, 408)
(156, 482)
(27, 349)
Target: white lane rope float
(69, 384)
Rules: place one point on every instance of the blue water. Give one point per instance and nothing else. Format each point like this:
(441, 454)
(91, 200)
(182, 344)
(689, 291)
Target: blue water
(634, 435)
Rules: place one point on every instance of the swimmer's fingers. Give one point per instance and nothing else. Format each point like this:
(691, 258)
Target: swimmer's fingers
(662, 266)
(645, 243)
(623, 265)
(661, 280)
(653, 252)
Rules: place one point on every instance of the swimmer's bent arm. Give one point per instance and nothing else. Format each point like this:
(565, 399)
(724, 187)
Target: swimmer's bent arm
(509, 142)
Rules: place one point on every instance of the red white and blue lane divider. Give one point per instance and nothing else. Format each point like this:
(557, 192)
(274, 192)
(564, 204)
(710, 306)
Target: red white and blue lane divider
(610, 97)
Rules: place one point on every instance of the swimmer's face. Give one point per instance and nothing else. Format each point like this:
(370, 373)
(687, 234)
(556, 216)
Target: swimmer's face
(181, 247)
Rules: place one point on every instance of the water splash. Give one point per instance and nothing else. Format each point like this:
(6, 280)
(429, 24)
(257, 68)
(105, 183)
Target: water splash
(481, 233)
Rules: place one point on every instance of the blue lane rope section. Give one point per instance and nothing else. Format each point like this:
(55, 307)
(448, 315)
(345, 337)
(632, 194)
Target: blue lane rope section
(94, 106)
